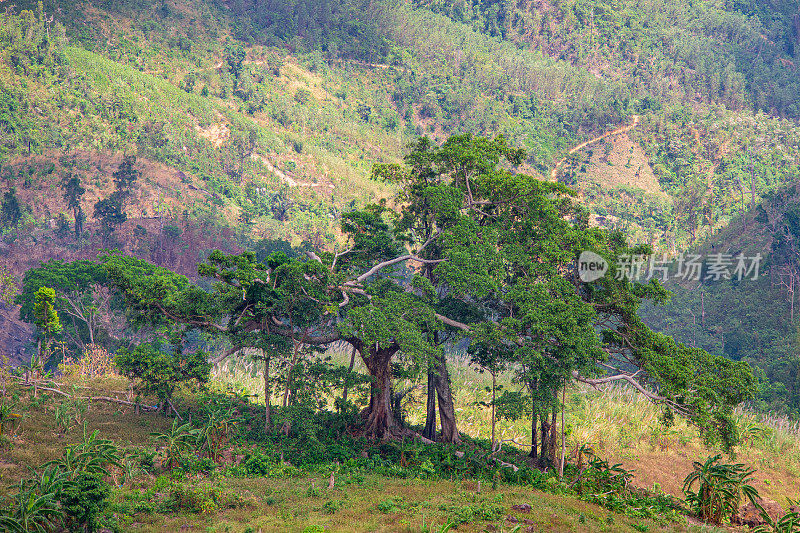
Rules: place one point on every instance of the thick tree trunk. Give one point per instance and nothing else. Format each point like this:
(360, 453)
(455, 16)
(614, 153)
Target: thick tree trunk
(534, 454)
(447, 410)
(553, 445)
(430, 418)
(378, 418)
(544, 456)
(379, 421)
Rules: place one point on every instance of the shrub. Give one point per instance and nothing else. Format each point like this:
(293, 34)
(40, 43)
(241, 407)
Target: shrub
(197, 499)
(259, 465)
(719, 488)
(84, 499)
(95, 361)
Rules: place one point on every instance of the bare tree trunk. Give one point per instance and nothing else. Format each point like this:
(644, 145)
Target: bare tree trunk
(544, 456)
(267, 394)
(494, 397)
(534, 453)
(349, 371)
(553, 428)
(563, 435)
(430, 417)
(447, 410)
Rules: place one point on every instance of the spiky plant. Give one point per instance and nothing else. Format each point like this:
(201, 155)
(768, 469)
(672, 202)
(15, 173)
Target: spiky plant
(713, 490)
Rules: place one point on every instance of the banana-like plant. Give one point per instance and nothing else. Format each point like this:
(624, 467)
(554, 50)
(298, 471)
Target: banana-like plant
(34, 507)
(177, 440)
(713, 490)
(215, 433)
(92, 455)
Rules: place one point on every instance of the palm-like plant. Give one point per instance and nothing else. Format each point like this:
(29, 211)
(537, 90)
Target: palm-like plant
(32, 512)
(177, 440)
(215, 433)
(92, 455)
(33, 508)
(719, 488)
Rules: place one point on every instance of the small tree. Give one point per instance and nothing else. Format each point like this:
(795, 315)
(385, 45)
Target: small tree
(234, 56)
(10, 209)
(160, 369)
(82, 300)
(126, 175)
(84, 499)
(73, 191)
(48, 324)
(111, 213)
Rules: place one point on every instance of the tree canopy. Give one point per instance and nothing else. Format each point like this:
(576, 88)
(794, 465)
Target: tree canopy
(475, 249)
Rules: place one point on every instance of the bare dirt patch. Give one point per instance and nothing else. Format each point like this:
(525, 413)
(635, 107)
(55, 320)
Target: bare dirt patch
(625, 164)
(216, 134)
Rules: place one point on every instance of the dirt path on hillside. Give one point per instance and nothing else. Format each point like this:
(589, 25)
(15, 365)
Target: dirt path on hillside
(291, 182)
(617, 131)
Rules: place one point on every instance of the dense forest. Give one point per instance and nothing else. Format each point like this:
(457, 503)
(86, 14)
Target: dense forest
(343, 238)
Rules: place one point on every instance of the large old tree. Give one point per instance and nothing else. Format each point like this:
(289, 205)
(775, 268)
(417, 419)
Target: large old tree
(471, 249)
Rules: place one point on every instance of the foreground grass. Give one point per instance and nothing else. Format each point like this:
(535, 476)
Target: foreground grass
(290, 500)
(617, 423)
(374, 503)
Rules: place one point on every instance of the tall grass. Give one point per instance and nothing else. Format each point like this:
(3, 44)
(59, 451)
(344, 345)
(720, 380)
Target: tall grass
(615, 422)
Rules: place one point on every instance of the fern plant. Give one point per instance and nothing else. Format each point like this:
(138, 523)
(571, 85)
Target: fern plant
(713, 490)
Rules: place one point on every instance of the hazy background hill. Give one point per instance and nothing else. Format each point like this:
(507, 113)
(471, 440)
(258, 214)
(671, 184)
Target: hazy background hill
(257, 122)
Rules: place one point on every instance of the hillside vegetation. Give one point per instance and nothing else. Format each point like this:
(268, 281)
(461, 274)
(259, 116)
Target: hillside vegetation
(203, 201)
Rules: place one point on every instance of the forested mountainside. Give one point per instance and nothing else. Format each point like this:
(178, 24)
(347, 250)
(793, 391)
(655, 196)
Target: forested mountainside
(265, 117)
(318, 91)
(286, 222)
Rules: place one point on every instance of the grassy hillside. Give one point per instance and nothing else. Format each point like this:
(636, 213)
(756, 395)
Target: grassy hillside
(248, 97)
(390, 487)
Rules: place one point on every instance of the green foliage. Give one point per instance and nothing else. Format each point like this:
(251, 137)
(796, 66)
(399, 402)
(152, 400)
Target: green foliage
(69, 492)
(176, 442)
(8, 286)
(258, 465)
(203, 499)
(80, 298)
(10, 210)
(92, 455)
(215, 433)
(234, 56)
(462, 514)
(47, 322)
(602, 477)
(69, 413)
(84, 499)
(341, 28)
(714, 490)
(160, 369)
(721, 53)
